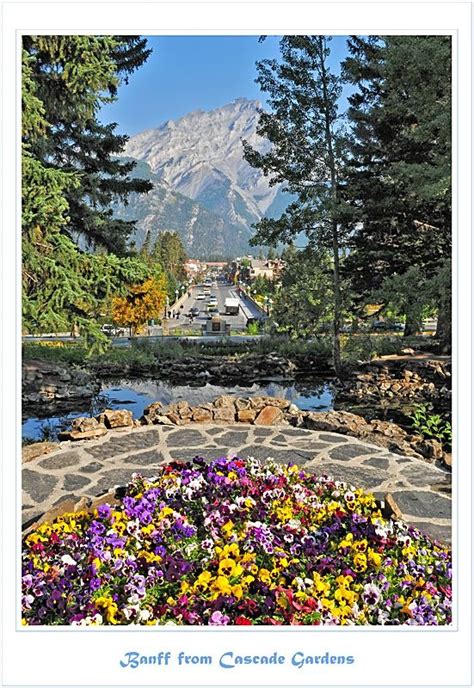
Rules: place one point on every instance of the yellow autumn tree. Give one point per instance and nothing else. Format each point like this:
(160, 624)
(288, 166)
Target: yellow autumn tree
(143, 302)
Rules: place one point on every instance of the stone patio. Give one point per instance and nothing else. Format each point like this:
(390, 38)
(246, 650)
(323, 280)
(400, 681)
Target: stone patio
(421, 491)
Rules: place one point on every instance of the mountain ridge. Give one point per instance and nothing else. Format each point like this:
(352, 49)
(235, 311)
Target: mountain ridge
(200, 157)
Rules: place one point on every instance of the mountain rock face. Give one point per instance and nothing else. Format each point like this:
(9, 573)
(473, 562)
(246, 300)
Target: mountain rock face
(203, 187)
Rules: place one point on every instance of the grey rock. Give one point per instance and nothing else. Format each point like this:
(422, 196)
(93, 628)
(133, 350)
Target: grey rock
(209, 454)
(147, 458)
(37, 485)
(279, 455)
(378, 462)
(125, 443)
(351, 451)
(365, 478)
(296, 432)
(332, 437)
(438, 532)
(421, 475)
(117, 477)
(92, 467)
(75, 482)
(423, 504)
(214, 431)
(232, 438)
(186, 438)
(263, 432)
(61, 460)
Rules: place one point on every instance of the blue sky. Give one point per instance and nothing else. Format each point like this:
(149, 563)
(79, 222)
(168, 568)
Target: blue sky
(186, 73)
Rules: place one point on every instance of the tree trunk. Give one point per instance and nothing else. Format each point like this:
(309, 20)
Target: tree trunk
(444, 326)
(336, 345)
(412, 325)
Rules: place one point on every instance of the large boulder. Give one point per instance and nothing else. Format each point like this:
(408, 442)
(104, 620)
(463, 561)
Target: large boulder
(116, 419)
(269, 415)
(84, 428)
(337, 421)
(151, 413)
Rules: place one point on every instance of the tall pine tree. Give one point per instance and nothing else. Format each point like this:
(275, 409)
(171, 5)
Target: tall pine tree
(62, 285)
(399, 168)
(74, 76)
(306, 153)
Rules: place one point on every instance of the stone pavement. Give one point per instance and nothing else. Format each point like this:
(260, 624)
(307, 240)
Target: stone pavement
(421, 491)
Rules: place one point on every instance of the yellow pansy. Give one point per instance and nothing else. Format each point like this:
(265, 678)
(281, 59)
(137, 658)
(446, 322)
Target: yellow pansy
(221, 586)
(409, 551)
(319, 585)
(166, 511)
(108, 608)
(360, 562)
(344, 581)
(347, 542)
(230, 568)
(405, 602)
(237, 591)
(202, 582)
(328, 604)
(264, 575)
(359, 545)
(227, 528)
(231, 550)
(374, 558)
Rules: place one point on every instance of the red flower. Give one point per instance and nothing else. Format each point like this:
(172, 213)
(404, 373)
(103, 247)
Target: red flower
(243, 621)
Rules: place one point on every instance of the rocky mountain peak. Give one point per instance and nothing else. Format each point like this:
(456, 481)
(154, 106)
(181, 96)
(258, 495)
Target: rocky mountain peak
(203, 187)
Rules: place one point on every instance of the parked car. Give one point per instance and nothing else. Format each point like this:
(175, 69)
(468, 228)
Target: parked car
(112, 330)
(386, 326)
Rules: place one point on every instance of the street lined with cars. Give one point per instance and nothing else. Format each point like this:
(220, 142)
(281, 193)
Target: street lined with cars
(211, 299)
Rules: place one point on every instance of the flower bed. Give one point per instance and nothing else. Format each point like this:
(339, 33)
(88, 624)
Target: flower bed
(234, 543)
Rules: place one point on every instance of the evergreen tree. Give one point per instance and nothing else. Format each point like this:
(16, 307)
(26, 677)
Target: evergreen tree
(306, 153)
(74, 76)
(399, 176)
(169, 252)
(62, 286)
(305, 302)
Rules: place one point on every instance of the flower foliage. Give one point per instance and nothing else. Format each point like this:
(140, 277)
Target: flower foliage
(234, 542)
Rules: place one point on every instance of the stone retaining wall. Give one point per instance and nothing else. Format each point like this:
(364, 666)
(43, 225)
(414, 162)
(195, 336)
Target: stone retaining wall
(53, 383)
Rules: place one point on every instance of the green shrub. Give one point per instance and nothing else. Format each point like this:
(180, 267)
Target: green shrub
(431, 425)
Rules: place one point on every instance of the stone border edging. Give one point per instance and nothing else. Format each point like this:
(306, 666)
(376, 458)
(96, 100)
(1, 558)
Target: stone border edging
(79, 475)
(265, 411)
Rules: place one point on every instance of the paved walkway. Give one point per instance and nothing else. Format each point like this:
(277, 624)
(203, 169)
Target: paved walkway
(91, 467)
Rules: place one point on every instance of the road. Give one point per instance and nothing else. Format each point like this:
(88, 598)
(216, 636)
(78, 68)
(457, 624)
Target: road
(221, 292)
